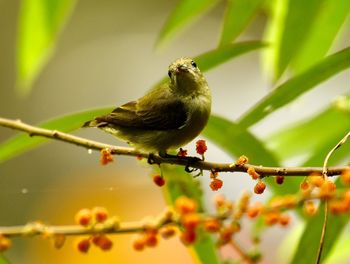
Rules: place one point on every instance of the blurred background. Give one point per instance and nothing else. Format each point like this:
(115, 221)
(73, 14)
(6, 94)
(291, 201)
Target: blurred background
(106, 56)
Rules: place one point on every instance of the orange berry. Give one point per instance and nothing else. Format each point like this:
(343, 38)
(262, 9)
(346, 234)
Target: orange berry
(310, 208)
(304, 185)
(346, 195)
(190, 221)
(251, 171)
(212, 225)
(188, 237)
(337, 207)
(272, 218)
(279, 179)
(151, 239)
(290, 201)
(5, 243)
(105, 243)
(259, 187)
(106, 156)
(216, 184)
(139, 157)
(158, 180)
(201, 147)
(83, 245)
(100, 214)
(219, 201)
(316, 180)
(185, 205)
(328, 189)
(226, 235)
(284, 220)
(182, 152)
(254, 210)
(167, 232)
(83, 217)
(139, 243)
(242, 160)
(345, 176)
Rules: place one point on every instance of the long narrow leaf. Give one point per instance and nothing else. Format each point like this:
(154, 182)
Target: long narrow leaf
(290, 30)
(296, 86)
(306, 138)
(184, 12)
(39, 24)
(325, 27)
(237, 17)
(23, 142)
(308, 245)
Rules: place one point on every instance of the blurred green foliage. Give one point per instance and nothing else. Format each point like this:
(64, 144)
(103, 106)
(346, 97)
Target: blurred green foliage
(39, 23)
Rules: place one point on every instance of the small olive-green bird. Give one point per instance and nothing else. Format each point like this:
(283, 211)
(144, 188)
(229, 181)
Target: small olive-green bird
(168, 116)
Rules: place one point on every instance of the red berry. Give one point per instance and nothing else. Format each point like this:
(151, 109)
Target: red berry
(83, 217)
(279, 179)
(106, 156)
(158, 180)
(182, 152)
(201, 147)
(188, 237)
(83, 245)
(139, 243)
(100, 214)
(259, 187)
(216, 184)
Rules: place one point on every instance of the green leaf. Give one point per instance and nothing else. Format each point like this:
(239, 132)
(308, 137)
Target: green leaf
(236, 141)
(340, 252)
(309, 241)
(220, 55)
(288, 31)
(306, 138)
(23, 142)
(180, 183)
(3, 260)
(325, 27)
(68, 123)
(38, 26)
(238, 15)
(296, 86)
(184, 12)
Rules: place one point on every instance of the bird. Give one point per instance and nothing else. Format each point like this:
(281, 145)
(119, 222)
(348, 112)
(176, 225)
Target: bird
(167, 117)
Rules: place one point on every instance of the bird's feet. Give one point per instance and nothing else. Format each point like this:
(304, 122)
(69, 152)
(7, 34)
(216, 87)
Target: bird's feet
(190, 160)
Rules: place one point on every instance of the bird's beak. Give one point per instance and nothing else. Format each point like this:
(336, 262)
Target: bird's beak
(182, 68)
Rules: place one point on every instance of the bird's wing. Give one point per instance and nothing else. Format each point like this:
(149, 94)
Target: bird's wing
(160, 114)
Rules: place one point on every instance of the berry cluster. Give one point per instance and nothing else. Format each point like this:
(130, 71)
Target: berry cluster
(96, 219)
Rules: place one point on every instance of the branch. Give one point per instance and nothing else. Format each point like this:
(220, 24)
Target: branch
(198, 164)
(325, 175)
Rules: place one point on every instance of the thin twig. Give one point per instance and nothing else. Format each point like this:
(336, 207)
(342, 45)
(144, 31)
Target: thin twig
(325, 175)
(241, 252)
(35, 229)
(202, 165)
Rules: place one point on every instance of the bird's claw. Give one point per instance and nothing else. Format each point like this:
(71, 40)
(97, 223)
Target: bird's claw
(150, 159)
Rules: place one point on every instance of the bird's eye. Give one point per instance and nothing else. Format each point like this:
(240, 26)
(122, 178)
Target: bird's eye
(169, 74)
(194, 64)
